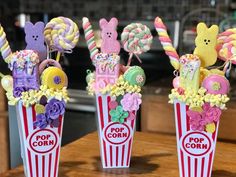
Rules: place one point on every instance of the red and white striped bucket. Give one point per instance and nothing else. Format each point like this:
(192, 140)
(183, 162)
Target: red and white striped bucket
(115, 139)
(41, 147)
(195, 149)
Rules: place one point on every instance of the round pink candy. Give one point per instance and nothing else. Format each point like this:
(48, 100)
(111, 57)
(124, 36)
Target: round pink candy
(176, 82)
(216, 84)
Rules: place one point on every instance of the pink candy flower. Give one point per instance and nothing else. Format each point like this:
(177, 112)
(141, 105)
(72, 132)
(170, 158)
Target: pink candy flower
(198, 120)
(131, 101)
(212, 114)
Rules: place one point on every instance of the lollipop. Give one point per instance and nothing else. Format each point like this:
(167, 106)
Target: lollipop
(61, 34)
(136, 39)
(89, 37)
(226, 45)
(4, 46)
(166, 43)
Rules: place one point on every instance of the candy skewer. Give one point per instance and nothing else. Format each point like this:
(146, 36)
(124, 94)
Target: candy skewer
(4, 46)
(89, 37)
(166, 43)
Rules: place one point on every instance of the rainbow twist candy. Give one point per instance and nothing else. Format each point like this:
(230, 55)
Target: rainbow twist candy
(136, 38)
(89, 37)
(167, 43)
(226, 45)
(4, 46)
(61, 34)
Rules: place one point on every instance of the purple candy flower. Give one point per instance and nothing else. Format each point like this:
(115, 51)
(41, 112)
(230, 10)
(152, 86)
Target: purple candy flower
(18, 91)
(41, 121)
(55, 108)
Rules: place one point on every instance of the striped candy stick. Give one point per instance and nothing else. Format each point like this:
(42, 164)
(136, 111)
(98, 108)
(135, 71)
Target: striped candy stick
(167, 43)
(89, 37)
(4, 46)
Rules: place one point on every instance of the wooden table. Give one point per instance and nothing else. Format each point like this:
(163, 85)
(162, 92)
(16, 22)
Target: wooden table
(153, 155)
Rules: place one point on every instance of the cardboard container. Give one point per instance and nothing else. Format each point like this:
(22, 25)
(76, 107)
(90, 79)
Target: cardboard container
(40, 148)
(115, 138)
(196, 149)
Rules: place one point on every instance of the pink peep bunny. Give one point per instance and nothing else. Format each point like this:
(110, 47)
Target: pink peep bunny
(110, 44)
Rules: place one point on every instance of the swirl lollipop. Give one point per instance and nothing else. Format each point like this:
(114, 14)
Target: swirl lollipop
(4, 46)
(136, 39)
(61, 34)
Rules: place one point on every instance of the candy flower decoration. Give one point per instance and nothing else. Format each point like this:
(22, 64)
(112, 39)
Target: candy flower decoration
(89, 37)
(118, 114)
(136, 39)
(4, 46)
(166, 42)
(62, 35)
(131, 102)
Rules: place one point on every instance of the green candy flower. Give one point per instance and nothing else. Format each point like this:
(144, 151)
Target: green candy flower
(118, 114)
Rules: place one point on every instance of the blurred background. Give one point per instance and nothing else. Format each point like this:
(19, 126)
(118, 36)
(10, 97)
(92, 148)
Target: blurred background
(156, 115)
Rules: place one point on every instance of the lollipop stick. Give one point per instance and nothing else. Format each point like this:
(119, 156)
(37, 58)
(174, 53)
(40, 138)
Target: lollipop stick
(58, 56)
(130, 58)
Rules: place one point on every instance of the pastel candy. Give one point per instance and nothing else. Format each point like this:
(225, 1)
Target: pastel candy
(135, 76)
(216, 84)
(34, 38)
(109, 35)
(54, 77)
(205, 42)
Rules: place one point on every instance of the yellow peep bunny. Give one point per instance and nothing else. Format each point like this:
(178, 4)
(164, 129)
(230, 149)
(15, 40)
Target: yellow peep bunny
(205, 44)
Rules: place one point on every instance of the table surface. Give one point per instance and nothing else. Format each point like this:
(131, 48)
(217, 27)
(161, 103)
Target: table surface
(153, 155)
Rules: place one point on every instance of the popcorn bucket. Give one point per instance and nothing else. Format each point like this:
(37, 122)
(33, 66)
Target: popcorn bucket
(40, 148)
(115, 138)
(196, 149)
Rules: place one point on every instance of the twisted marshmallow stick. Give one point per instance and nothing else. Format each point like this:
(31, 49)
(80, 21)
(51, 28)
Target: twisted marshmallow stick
(4, 46)
(167, 43)
(89, 37)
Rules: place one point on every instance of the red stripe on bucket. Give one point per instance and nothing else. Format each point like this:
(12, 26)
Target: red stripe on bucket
(56, 162)
(37, 165)
(25, 121)
(60, 125)
(179, 120)
(108, 101)
(128, 156)
(101, 111)
(105, 152)
(43, 164)
(187, 119)
(203, 162)
(182, 162)
(117, 155)
(123, 154)
(189, 166)
(49, 165)
(111, 163)
(30, 163)
(196, 167)
(33, 114)
(209, 164)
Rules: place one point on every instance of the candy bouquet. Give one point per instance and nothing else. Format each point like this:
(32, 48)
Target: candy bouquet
(199, 96)
(116, 87)
(38, 89)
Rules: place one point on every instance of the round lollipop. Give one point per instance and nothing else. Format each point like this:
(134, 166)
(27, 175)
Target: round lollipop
(61, 34)
(136, 39)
